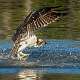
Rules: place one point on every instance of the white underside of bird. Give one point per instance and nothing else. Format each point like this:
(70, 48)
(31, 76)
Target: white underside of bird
(31, 41)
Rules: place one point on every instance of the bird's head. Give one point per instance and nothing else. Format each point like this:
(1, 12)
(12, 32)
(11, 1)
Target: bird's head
(40, 42)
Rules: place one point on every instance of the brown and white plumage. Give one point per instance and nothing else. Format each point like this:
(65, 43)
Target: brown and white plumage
(24, 35)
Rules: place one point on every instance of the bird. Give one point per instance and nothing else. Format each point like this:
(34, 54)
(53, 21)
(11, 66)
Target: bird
(25, 37)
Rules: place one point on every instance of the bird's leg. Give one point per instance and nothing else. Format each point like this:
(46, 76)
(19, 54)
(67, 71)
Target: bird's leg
(23, 54)
(20, 54)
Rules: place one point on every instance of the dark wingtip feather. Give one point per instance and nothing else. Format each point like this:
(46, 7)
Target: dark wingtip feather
(62, 13)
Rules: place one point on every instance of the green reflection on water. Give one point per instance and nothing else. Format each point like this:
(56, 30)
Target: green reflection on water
(61, 77)
(44, 77)
(13, 12)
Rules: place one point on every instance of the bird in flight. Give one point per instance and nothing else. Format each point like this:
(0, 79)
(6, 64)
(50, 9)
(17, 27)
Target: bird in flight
(25, 37)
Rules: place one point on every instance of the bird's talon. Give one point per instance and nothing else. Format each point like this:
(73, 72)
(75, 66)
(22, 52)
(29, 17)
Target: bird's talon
(22, 56)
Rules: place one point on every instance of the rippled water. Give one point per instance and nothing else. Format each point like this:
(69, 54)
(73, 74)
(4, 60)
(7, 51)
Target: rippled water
(61, 56)
(63, 49)
(56, 53)
(39, 74)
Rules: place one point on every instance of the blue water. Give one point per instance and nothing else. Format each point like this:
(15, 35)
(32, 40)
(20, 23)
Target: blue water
(53, 43)
(63, 52)
(41, 70)
(5, 44)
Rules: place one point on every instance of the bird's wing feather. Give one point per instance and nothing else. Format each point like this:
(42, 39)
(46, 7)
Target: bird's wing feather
(37, 19)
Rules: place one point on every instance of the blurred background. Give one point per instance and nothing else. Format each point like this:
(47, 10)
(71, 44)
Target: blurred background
(13, 12)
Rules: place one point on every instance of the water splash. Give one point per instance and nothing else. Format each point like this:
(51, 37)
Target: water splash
(56, 53)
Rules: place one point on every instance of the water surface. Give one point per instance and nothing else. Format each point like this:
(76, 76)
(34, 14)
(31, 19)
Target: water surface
(39, 74)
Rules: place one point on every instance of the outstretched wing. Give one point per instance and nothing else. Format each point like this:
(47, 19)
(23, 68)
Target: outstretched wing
(37, 19)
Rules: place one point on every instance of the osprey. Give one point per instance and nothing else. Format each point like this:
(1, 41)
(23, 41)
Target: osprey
(24, 35)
